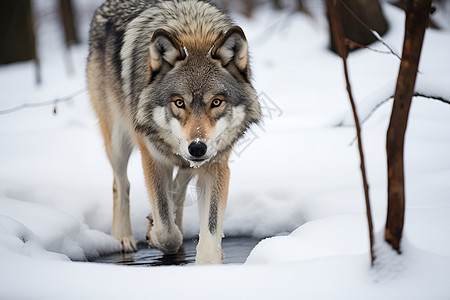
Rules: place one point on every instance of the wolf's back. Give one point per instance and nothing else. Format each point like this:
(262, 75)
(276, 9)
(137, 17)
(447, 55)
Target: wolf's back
(113, 16)
(108, 28)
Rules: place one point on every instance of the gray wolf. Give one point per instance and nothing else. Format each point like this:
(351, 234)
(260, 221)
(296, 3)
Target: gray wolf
(172, 78)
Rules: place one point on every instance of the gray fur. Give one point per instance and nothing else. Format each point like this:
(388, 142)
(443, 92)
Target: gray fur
(143, 54)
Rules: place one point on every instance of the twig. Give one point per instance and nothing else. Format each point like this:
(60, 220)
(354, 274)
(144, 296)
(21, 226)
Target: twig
(352, 45)
(438, 98)
(416, 94)
(338, 34)
(373, 32)
(44, 103)
(443, 100)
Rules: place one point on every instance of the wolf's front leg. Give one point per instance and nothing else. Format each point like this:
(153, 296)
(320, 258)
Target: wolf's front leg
(164, 234)
(213, 193)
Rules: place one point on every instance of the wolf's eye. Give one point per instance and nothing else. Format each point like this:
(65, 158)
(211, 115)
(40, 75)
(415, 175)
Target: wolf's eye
(179, 103)
(216, 103)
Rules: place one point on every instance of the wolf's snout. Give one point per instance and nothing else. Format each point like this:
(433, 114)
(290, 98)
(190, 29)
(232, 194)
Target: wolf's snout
(197, 149)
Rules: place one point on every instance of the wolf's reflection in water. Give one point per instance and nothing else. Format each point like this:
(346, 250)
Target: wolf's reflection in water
(236, 250)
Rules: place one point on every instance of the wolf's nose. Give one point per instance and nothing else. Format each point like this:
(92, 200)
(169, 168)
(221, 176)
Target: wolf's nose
(197, 149)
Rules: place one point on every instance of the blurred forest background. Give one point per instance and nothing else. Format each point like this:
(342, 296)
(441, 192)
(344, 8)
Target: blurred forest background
(22, 20)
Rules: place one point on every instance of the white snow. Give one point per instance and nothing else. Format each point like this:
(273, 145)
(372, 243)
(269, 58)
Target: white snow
(295, 177)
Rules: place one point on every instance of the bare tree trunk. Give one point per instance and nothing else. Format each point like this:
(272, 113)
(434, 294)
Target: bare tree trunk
(37, 61)
(338, 34)
(249, 8)
(301, 6)
(356, 12)
(70, 32)
(17, 33)
(417, 15)
(277, 4)
(432, 24)
(68, 20)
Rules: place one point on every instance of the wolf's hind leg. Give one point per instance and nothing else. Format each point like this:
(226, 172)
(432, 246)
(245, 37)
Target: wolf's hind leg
(119, 150)
(178, 193)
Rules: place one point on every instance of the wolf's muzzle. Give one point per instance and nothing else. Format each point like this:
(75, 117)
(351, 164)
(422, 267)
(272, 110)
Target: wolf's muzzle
(197, 149)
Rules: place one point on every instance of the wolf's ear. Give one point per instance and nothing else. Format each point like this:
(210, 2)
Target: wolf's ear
(232, 48)
(164, 48)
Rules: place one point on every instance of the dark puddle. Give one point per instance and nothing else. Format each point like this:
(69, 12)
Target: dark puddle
(236, 251)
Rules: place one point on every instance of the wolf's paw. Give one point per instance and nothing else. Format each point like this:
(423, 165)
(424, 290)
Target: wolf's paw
(208, 255)
(128, 244)
(167, 241)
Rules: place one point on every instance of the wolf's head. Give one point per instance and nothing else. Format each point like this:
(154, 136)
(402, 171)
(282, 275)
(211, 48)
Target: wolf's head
(199, 100)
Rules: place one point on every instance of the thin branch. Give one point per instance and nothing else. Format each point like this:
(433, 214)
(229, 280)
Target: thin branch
(373, 32)
(438, 98)
(376, 108)
(353, 45)
(44, 103)
(416, 94)
(366, 118)
(338, 34)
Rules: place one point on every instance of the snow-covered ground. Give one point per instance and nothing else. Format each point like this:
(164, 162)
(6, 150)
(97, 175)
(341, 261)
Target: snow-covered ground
(296, 177)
